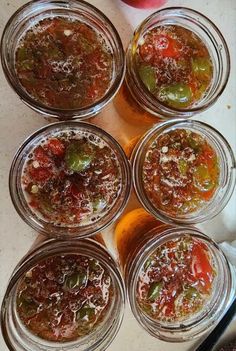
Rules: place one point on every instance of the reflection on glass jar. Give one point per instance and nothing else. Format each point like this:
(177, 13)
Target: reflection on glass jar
(66, 295)
(70, 178)
(64, 59)
(183, 171)
(178, 280)
(178, 63)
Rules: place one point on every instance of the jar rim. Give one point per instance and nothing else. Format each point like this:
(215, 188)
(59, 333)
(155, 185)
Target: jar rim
(227, 173)
(52, 247)
(77, 113)
(50, 229)
(179, 331)
(154, 103)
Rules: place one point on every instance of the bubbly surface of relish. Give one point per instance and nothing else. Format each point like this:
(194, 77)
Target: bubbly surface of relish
(63, 298)
(64, 63)
(180, 172)
(175, 65)
(71, 179)
(177, 280)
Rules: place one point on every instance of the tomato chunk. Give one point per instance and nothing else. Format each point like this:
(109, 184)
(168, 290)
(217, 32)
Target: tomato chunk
(201, 266)
(40, 174)
(56, 147)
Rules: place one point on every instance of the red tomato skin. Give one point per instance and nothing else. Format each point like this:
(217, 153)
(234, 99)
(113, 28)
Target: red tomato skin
(40, 174)
(145, 4)
(163, 46)
(168, 47)
(202, 269)
(42, 157)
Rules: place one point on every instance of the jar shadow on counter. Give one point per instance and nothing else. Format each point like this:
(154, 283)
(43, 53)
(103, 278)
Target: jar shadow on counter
(130, 111)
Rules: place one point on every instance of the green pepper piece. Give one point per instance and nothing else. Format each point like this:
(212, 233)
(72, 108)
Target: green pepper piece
(27, 305)
(183, 166)
(54, 53)
(99, 204)
(147, 74)
(147, 263)
(176, 95)
(201, 66)
(27, 65)
(185, 244)
(77, 159)
(85, 45)
(193, 144)
(202, 178)
(154, 291)
(192, 293)
(85, 311)
(75, 280)
(22, 54)
(46, 205)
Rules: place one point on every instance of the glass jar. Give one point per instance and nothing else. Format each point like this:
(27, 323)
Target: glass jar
(35, 11)
(223, 291)
(226, 170)
(206, 30)
(18, 337)
(51, 228)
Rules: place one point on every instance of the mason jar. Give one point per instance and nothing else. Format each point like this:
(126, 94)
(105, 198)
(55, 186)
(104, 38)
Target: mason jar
(71, 189)
(225, 172)
(29, 15)
(138, 256)
(215, 43)
(19, 336)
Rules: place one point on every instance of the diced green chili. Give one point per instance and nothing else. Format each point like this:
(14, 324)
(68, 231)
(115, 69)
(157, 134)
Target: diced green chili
(154, 290)
(147, 74)
(147, 263)
(22, 54)
(28, 306)
(76, 158)
(99, 204)
(46, 205)
(202, 178)
(192, 293)
(176, 95)
(193, 144)
(75, 280)
(85, 312)
(201, 66)
(183, 166)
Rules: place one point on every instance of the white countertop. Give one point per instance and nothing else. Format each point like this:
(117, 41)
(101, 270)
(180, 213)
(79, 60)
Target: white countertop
(17, 121)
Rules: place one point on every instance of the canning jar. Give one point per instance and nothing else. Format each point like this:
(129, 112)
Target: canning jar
(179, 283)
(19, 335)
(183, 171)
(70, 179)
(51, 98)
(171, 97)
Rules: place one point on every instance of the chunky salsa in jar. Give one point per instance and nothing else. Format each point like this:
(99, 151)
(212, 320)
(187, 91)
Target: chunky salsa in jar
(63, 298)
(175, 65)
(71, 179)
(64, 63)
(177, 280)
(180, 172)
